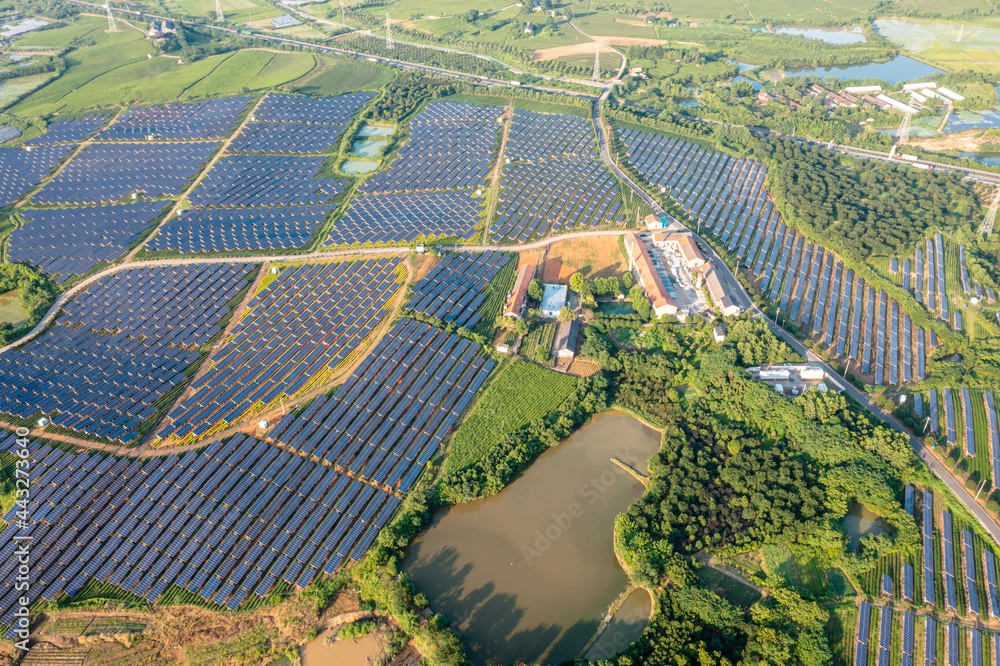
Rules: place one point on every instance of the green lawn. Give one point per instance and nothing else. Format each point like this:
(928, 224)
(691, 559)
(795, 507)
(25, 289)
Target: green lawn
(520, 393)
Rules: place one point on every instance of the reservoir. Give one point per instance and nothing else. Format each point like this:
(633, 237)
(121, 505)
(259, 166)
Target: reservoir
(625, 627)
(529, 573)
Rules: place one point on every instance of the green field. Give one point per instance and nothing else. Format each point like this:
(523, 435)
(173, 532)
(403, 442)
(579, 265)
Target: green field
(778, 561)
(541, 334)
(520, 393)
(728, 587)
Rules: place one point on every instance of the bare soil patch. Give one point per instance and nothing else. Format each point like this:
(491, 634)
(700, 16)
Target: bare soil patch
(598, 256)
(541, 55)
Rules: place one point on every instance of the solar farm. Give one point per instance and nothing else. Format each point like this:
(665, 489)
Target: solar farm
(430, 189)
(296, 331)
(857, 324)
(553, 179)
(456, 289)
(71, 130)
(212, 119)
(225, 523)
(71, 241)
(885, 634)
(120, 349)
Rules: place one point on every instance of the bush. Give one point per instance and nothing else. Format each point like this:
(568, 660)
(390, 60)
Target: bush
(357, 629)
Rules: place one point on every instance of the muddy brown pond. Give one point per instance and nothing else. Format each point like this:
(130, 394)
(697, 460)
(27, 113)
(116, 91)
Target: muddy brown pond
(529, 573)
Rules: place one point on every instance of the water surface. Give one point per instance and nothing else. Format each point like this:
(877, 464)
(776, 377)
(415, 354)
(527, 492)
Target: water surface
(828, 35)
(625, 627)
(529, 573)
(359, 166)
(860, 522)
(376, 130)
(897, 70)
(352, 652)
(368, 147)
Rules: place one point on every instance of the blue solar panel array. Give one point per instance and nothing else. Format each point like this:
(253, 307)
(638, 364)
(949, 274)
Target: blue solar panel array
(990, 576)
(402, 218)
(71, 130)
(930, 641)
(119, 347)
(211, 119)
(286, 138)
(994, 428)
(265, 180)
(103, 173)
(726, 195)
(884, 635)
(927, 531)
(863, 633)
(948, 557)
(971, 596)
(949, 415)
(395, 410)
(228, 229)
(70, 241)
(951, 632)
(307, 320)
(906, 658)
(970, 433)
(449, 148)
(22, 169)
(454, 290)
(555, 179)
(225, 523)
(281, 108)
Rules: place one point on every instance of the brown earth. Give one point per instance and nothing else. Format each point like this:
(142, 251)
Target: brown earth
(184, 634)
(598, 256)
(966, 141)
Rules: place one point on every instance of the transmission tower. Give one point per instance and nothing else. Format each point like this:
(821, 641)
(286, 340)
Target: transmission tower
(343, 20)
(986, 227)
(388, 33)
(219, 16)
(597, 61)
(112, 25)
(902, 134)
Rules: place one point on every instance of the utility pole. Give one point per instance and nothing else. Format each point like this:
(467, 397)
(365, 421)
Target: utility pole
(388, 33)
(112, 25)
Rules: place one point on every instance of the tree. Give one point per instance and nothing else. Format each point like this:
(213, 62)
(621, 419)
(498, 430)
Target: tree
(541, 354)
(535, 290)
(639, 302)
(628, 279)
(576, 282)
(566, 313)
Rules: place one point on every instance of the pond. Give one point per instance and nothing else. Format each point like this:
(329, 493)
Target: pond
(359, 166)
(11, 310)
(615, 308)
(529, 573)
(625, 627)
(368, 147)
(993, 159)
(966, 120)
(860, 522)
(689, 103)
(346, 652)
(756, 85)
(894, 71)
(376, 130)
(829, 35)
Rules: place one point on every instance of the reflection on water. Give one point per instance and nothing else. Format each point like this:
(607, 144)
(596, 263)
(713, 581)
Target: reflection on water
(757, 85)
(368, 147)
(860, 522)
(358, 166)
(625, 627)
(528, 574)
(894, 71)
(376, 130)
(993, 159)
(965, 120)
(828, 35)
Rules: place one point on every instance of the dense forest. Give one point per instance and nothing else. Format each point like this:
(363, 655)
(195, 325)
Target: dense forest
(872, 209)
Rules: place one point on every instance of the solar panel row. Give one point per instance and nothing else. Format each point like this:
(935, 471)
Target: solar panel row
(454, 290)
(229, 229)
(211, 119)
(224, 523)
(64, 242)
(22, 169)
(301, 325)
(264, 180)
(394, 411)
(119, 348)
(70, 130)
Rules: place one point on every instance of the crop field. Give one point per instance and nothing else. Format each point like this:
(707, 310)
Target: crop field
(841, 630)
(234, 10)
(521, 393)
(336, 76)
(541, 335)
(811, 565)
(496, 296)
(728, 587)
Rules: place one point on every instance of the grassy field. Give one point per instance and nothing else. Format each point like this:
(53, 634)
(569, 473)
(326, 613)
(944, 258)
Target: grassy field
(840, 631)
(234, 10)
(335, 76)
(520, 393)
(728, 587)
(778, 561)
